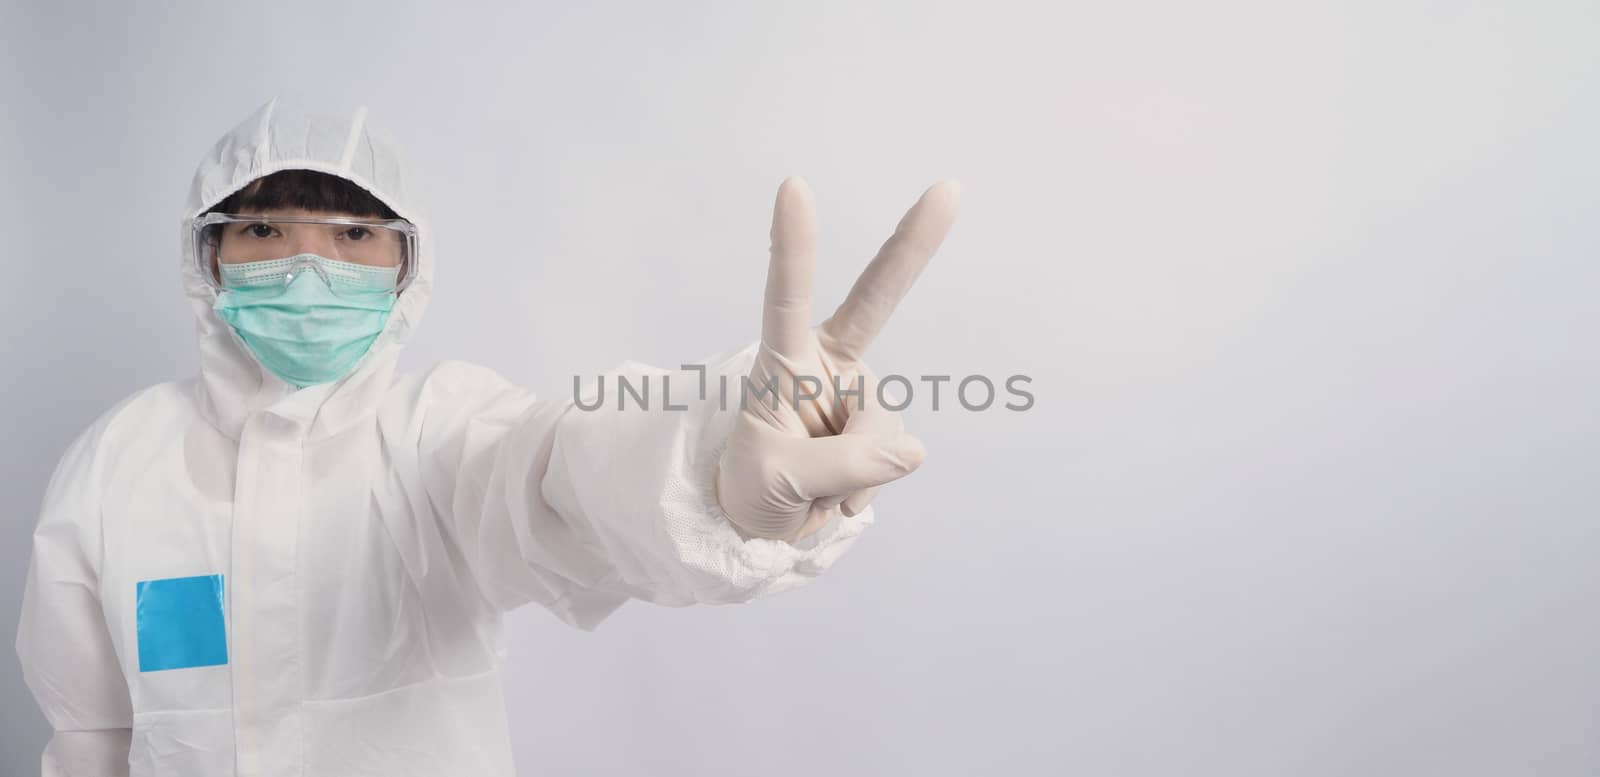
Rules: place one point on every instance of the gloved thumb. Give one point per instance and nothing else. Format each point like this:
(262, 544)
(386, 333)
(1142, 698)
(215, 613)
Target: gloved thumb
(842, 464)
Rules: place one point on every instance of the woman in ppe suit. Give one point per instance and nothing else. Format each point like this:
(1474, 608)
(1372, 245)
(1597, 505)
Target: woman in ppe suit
(297, 562)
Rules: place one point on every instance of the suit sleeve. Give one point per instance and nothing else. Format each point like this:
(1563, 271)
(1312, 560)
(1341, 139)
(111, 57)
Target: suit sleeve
(63, 642)
(583, 509)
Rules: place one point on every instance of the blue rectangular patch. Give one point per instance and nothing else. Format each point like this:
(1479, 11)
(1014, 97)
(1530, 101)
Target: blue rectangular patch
(180, 624)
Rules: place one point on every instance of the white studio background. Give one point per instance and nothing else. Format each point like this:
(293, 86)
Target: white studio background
(1307, 291)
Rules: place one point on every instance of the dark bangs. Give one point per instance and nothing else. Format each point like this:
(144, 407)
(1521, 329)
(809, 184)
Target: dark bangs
(308, 190)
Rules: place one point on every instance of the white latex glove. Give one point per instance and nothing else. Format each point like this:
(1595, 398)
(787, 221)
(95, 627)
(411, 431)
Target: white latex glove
(787, 469)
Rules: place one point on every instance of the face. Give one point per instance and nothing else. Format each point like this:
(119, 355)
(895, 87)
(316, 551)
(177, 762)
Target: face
(272, 238)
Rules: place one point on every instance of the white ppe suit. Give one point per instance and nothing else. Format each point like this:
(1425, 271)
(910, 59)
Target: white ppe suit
(233, 577)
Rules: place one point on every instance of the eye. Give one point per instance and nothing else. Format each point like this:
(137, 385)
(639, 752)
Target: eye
(358, 233)
(262, 231)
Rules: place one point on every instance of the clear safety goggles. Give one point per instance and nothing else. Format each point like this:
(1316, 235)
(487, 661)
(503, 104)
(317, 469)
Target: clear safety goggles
(235, 250)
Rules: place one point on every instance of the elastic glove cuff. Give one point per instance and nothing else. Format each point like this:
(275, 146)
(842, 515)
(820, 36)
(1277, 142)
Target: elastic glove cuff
(755, 566)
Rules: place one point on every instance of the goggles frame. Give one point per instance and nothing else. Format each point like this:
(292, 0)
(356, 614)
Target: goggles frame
(201, 232)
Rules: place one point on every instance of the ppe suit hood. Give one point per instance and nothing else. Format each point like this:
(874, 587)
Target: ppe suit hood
(282, 135)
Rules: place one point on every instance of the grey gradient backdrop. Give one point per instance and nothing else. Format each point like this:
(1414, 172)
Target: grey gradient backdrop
(1308, 292)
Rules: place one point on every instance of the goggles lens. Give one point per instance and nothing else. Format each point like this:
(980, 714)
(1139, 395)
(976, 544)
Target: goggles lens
(253, 250)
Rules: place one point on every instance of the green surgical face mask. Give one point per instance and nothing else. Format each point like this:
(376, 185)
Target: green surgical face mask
(307, 319)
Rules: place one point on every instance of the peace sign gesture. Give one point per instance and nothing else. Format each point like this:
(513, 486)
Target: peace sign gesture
(794, 458)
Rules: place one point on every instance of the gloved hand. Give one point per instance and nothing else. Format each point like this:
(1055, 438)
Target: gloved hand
(788, 467)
